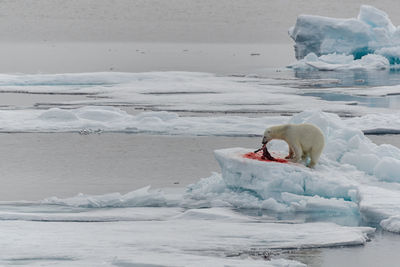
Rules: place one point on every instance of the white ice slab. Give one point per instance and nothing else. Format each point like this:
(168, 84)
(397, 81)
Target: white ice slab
(195, 238)
(354, 176)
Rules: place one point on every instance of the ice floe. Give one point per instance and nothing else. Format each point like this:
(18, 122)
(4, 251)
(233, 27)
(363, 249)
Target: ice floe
(335, 61)
(369, 41)
(95, 119)
(352, 176)
(251, 206)
(179, 92)
(193, 237)
(391, 224)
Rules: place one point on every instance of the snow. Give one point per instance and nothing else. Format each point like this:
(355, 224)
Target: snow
(371, 32)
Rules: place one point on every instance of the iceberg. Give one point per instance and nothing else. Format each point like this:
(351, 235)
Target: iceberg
(371, 32)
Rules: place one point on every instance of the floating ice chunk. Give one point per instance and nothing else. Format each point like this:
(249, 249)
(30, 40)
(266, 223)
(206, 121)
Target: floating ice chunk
(371, 32)
(391, 224)
(331, 62)
(143, 197)
(90, 215)
(320, 35)
(265, 180)
(158, 260)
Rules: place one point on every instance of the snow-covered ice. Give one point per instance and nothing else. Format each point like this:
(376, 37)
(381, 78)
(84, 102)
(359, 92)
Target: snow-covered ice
(351, 184)
(369, 41)
(36, 234)
(354, 175)
(181, 92)
(231, 218)
(97, 119)
(236, 217)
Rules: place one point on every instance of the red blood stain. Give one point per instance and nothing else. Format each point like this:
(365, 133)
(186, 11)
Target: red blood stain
(259, 156)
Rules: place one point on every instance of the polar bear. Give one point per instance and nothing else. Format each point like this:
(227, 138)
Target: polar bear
(304, 140)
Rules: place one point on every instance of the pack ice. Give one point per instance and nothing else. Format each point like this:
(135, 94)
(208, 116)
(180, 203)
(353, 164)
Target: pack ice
(369, 41)
(354, 181)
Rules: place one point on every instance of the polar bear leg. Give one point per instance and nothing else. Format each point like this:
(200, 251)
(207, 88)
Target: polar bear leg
(314, 157)
(291, 153)
(298, 153)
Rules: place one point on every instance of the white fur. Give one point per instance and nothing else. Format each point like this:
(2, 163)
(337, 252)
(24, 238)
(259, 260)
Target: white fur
(304, 140)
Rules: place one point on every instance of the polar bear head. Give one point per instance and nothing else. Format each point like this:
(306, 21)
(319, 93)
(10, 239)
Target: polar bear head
(274, 132)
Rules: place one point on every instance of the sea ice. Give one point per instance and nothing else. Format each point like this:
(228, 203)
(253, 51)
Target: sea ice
(181, 92)
(96, 119)
(371, 32)
(65, 235)
(355, 179)
(391, 224)
(192, 237)
(335, 61)
(351, 178)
